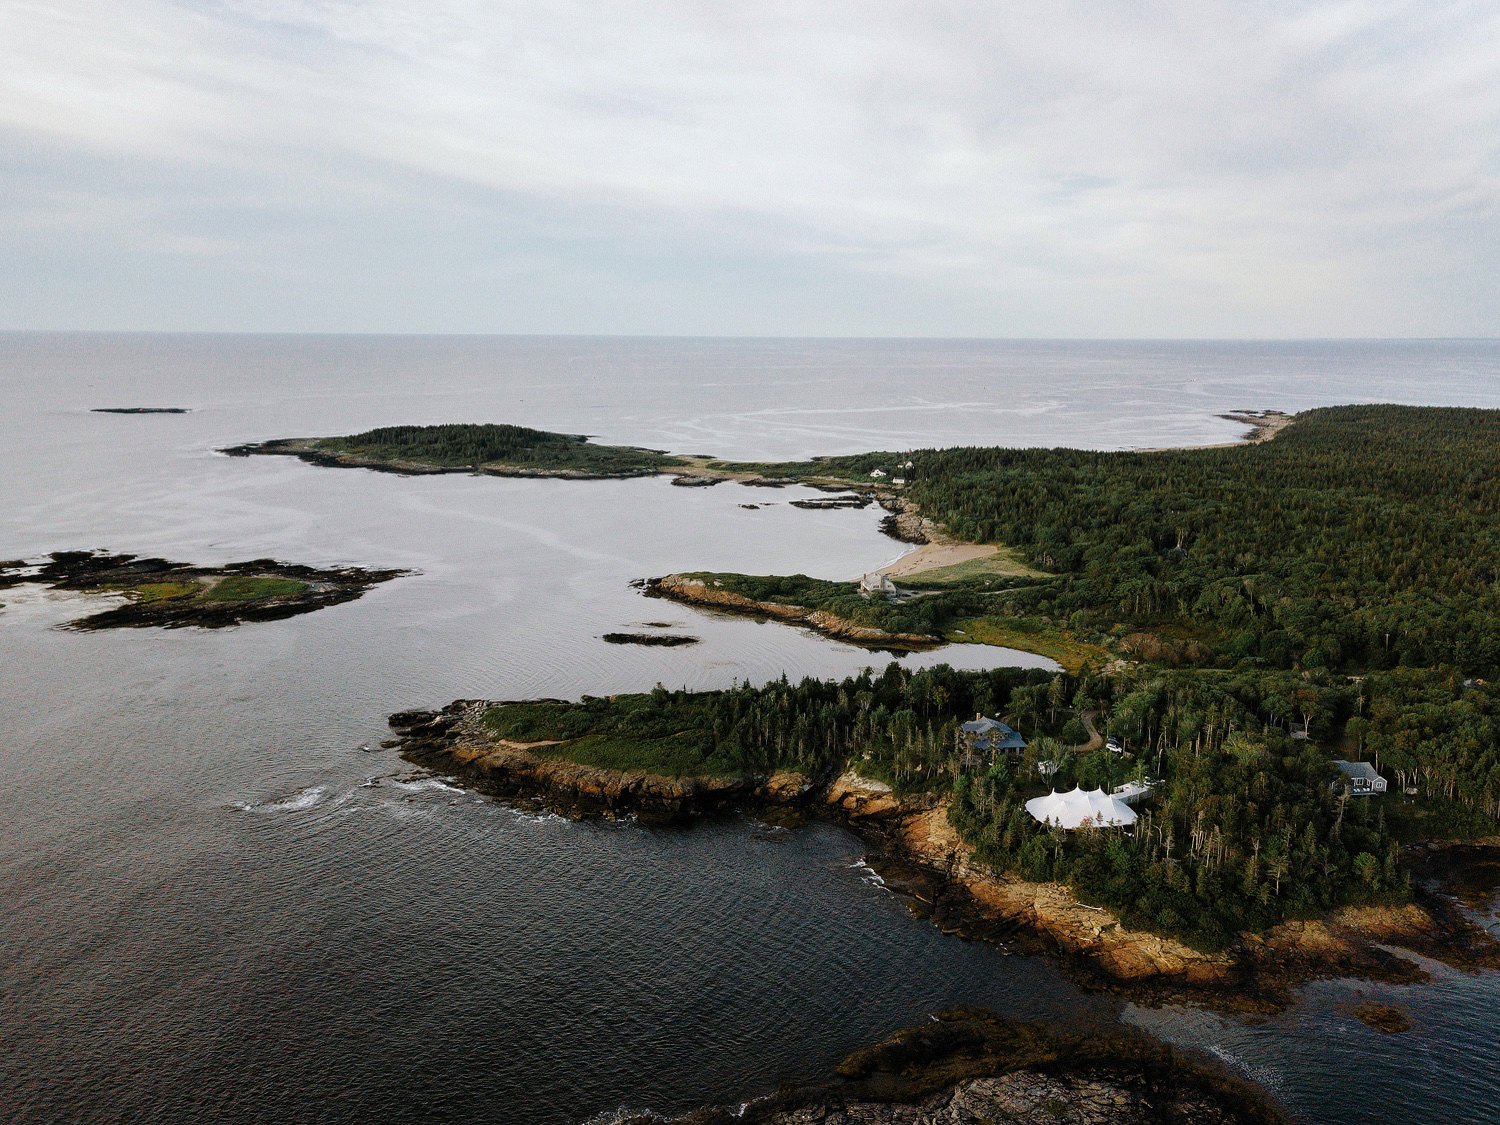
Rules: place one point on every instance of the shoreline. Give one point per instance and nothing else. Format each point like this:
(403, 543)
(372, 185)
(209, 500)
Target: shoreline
(922, 858)
(1264, 425)
(696, 593)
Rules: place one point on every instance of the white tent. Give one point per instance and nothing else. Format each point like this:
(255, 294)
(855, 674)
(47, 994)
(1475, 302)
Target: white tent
(1073, 808)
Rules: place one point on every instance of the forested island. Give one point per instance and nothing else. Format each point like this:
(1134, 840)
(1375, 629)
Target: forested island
(172, 595)
(496, 449)
(1234, 619)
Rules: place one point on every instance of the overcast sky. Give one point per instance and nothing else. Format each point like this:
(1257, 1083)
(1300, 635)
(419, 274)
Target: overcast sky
(1211, 169)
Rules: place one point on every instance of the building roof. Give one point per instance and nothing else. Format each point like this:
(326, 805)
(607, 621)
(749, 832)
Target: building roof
(992, 735)
(1132, 791)
(1077, 806)
(1358, 770)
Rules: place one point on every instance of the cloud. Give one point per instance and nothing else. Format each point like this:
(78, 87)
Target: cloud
(884, 168)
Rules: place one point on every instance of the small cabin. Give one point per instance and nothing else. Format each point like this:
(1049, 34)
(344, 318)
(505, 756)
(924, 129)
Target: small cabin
(1360, 778)
(990, 736)
(877, 474)
(876, 584)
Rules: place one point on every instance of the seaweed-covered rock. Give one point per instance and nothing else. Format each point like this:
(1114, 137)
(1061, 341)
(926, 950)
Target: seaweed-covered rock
(173, 595)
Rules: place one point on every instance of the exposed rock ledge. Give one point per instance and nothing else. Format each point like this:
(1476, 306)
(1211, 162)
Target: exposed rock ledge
(694, 591)
(922, 856)
(977, 1068)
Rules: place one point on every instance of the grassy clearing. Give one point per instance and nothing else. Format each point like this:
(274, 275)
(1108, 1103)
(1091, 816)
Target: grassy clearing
(162, 591)
(1031, 635)
(1004, 563)
(644, 733)
(251, 588)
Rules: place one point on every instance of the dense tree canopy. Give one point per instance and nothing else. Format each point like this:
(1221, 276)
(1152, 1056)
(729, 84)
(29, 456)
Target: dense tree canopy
(1361, 537)
(465, 445)
(1244, 827)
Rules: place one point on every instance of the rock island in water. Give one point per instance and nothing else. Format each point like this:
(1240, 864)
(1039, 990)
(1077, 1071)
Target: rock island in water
(976, 1068)
(172, 595)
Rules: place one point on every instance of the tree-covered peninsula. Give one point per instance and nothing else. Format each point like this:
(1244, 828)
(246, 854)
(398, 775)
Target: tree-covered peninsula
(1232, 618)
(1361, 537)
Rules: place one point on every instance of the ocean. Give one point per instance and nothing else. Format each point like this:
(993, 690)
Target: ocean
(220, 898)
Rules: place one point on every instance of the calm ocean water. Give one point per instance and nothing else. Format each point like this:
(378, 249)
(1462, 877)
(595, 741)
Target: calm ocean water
(217, 900)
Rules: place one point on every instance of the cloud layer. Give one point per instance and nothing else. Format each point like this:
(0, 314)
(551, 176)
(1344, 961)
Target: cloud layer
(1176, 169)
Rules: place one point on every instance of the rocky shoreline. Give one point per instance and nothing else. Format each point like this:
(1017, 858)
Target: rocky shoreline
(978, 1067)
(922, 857)
(696, 592)
(171, 595)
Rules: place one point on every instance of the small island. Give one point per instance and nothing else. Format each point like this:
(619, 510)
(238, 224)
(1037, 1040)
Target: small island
(1383, 1017)
(496, 450)
(171, 595)
(658, 640)
(972, 1066)
(140, 410)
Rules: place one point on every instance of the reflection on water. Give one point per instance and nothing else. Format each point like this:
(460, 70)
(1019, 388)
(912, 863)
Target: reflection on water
(219, 900)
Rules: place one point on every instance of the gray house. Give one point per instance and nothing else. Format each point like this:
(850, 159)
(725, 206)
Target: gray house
(987, 736)
(1360, 778)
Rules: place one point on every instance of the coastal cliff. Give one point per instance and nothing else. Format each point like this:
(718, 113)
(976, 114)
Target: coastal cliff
(922, 856)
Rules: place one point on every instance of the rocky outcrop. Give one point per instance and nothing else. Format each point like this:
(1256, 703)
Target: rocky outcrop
(455, 739)
(860, 797)
(906, 523)
(921, 855)
(171, 595)
(983, 901)
(972, 1067)
(695, 591)
(660, 640)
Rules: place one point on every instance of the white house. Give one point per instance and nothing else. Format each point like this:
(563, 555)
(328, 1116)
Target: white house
(876, 474)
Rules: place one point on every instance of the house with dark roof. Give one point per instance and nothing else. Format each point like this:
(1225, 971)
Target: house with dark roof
(1360, 778)
(984, 735)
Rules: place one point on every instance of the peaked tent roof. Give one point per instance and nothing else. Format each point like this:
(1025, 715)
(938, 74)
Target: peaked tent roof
(1071, 809)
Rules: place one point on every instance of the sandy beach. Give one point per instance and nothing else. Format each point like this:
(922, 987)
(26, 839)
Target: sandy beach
(931, 556)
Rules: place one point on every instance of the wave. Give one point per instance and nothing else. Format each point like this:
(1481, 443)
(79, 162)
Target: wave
(868, 875)
(300, 801)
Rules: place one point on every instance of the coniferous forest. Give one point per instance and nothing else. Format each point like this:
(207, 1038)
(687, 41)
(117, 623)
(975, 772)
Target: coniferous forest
(1332, 593)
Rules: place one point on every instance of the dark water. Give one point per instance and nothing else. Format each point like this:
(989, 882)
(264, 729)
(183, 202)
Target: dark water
(216, 902)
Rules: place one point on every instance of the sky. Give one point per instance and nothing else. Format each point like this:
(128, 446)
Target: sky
(1213, 169)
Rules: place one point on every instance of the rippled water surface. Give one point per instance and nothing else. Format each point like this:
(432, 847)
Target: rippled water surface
(216, 899)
